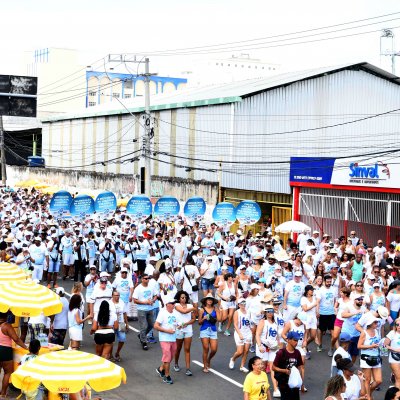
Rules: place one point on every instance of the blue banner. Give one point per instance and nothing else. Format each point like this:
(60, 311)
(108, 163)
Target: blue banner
(60, 203)
(248, 212)
(194, 209)
(167, 208)
(82, 206)
(139, 207)
(311, 169)
(105, 203)
(224, 214)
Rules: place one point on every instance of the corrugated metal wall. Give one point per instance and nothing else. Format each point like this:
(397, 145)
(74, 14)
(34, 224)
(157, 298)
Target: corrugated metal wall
(254, 129)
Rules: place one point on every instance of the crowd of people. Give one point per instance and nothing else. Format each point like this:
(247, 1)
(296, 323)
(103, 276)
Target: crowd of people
(281, 301)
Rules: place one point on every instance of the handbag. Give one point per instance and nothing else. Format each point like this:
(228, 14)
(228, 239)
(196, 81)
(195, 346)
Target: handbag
(372, 361)
(195, 288)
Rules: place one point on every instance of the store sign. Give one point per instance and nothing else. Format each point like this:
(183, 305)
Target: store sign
(372, 172)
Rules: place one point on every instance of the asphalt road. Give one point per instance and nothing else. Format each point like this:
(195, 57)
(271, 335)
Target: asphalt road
(222, 383)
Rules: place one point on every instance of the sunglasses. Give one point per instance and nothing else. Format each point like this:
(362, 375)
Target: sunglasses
(397, 324)
(145, 279)
(358, 285)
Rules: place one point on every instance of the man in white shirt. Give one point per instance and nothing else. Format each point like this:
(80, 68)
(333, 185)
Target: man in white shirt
(302, 241)
(37, 251)
(379, 251)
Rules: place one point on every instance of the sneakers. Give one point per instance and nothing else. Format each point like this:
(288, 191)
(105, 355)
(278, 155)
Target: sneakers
(90, 322)
(243, 369)
(330, 353)
(168, 380)
(176, 368)
(219, 327)
(151, 340)
(227, 333)
(144, 346)
(308, 355)
(231, 364)
(319, 349)
(188, 372)
(252, 348)
(160, 373)
(276, 393)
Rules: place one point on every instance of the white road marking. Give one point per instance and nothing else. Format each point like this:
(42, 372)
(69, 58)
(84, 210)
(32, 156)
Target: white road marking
(219, 374)
(133, 329)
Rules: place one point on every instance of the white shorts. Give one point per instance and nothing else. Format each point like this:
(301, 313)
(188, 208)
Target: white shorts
(75, 334)
(247, 339)
(363, 364)
(225, 305)
(391, 360)
(267, 355)
(68, 259)
(290, 313)
(312, 322)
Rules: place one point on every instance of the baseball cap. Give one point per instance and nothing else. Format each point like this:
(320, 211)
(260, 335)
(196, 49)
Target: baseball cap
(242, 267)
(92, 267)
(224, 268)
(104, 274)
(302, 316)
(293, 335)
(371, 276)
(298, 273)
(344, 337)
(254, 286)
(103, 279)
(376, 284)
(124, 269)
(241, 300)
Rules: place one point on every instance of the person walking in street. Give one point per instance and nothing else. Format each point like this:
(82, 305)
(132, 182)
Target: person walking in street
(166, 324)
(144, 297)
(119, 308)
(256, 385)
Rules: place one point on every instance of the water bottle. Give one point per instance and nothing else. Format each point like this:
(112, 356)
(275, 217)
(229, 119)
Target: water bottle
(383, 349)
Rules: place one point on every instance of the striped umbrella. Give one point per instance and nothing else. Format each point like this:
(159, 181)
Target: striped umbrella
(11, 273)
(28, 299)
(68, 371)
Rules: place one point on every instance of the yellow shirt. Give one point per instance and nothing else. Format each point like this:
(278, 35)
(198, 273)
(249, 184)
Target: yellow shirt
(256, 386)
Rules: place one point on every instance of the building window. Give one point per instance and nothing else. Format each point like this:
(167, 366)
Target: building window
(92, 93)
(115, 95)
(92, 103)
(127, 96)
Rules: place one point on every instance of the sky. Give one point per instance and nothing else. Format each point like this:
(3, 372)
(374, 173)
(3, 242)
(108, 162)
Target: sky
(97, 28)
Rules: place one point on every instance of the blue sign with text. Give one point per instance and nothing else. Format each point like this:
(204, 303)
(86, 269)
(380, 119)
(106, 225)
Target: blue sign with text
(60, 203)
(224, 214)
(248, 212)
(311, 169)
(139, 207)
(105, 203)
(194, 209)
(82, 206)
(167, 208)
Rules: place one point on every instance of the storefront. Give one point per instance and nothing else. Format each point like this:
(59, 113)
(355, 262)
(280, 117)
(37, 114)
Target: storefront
(339, 195)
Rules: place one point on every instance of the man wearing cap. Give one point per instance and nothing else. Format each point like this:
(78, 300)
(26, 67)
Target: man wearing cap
(167, 324)
(90, 282)
(379, 251)
(37, 251)
(101, 291)
(302, 240)
(354, 239)
(142, 253)
(124, 285)
(344, 343)
(277, 283)
(59, 322)
(54, 256)
(67, 247)
(351, 314)
(285, 359)
(294, 290)
(315, 238)
(178, 253)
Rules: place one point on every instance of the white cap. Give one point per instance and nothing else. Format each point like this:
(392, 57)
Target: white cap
(298, 273)
(371, 276)
(226, 258)
(254, 286)
(38, 239)
(316, 232)
(124, 269)
(103, 274)
(60, 290)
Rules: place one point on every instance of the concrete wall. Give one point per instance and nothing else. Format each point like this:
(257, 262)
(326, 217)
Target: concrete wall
(120, 184)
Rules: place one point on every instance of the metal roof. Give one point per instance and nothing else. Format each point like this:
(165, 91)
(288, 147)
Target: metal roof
(219, 94)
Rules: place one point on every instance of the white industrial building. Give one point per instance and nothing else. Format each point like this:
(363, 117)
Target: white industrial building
(242, 135)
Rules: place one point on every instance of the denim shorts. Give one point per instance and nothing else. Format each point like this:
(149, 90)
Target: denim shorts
(208, 333)
(207, 284)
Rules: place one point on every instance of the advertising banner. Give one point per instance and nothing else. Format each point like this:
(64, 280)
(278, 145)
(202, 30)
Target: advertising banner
(139, 207)
(167, 208)
(194, 209)
(60, 203)
(248, 212)
(224, 214)
(105, 203)
(82, 206)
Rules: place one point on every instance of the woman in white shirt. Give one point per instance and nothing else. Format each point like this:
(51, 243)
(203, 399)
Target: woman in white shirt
(392, 343)
(353, 378)
(393, 298)
(308, 304)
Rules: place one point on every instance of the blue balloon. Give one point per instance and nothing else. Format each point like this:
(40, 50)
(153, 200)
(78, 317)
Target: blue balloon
(60, 203)
(167, 208)
(82, 205)
(194, 209)
(248, 212)
(105, 203)
(139, 207)
(224, 214)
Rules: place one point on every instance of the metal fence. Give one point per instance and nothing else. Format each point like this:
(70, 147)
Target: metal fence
(372, 215)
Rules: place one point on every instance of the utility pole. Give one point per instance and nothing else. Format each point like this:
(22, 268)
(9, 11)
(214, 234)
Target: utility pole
(3, 154)
(149, 131)
(148, 135)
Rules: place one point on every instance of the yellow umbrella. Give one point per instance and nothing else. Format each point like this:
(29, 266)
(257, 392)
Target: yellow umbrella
(28, 183)
(122, 202)
(68, 371)
(41, 186)
(50, 190)
(11, 273)
(28, 299)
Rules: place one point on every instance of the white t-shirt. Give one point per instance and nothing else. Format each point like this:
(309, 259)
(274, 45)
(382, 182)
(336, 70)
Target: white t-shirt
(167, 320)
(98, 295)
(342, 352)
(193, 273)
(394, 338)
(353, 388)
(394, 300)
(143, 293)
(61, 319)
(295, 292)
